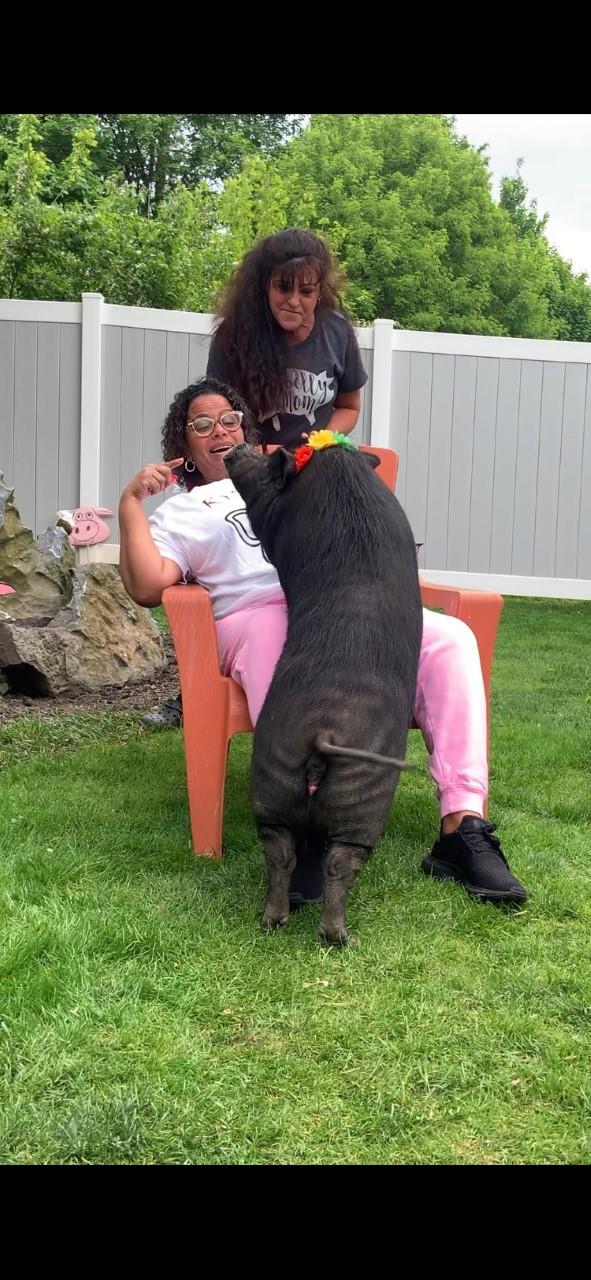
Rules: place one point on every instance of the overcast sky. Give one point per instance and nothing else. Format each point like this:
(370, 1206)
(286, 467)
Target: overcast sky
(556, 151)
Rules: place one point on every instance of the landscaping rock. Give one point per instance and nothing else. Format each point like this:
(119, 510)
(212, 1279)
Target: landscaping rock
(100, 638)
(40, 571)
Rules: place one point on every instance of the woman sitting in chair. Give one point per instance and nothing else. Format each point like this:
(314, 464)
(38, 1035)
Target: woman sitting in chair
(203, 535)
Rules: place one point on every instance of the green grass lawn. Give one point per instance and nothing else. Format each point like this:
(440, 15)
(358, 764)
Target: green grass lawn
(145, 1018)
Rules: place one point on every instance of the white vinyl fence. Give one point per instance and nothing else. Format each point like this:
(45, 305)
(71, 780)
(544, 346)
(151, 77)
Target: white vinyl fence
(494, 434)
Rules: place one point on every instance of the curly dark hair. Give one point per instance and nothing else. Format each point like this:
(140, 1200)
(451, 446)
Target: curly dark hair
(173, 430)
(249, 339)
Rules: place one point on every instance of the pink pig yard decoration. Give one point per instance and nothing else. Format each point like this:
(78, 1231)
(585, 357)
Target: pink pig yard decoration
(88, 528)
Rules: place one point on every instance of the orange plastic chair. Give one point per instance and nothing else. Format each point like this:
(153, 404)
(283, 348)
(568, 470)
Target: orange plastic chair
(214, 706)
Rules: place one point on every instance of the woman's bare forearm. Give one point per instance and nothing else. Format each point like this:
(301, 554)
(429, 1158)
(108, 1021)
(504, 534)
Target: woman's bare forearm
(144, 571)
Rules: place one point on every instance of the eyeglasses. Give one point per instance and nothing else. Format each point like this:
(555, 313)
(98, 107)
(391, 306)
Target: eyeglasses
(229, 420)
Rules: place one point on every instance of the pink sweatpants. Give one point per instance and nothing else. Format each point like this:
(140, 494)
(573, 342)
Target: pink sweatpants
(450, 708)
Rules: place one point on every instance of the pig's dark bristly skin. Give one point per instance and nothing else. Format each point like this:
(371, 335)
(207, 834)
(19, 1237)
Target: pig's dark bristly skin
(346, 559)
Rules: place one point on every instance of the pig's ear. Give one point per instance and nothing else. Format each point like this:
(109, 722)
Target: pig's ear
(282, 467)
(372, 458)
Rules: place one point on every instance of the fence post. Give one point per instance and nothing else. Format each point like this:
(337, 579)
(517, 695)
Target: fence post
(90, 398)
(379, 426)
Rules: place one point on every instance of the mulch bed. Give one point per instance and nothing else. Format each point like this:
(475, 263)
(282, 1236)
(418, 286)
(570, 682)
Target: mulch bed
(135, 697)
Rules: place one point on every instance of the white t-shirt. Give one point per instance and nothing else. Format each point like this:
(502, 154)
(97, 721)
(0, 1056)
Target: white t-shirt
(208, 534)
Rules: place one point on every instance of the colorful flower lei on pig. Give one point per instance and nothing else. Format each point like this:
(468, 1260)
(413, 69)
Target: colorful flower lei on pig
(320, 440)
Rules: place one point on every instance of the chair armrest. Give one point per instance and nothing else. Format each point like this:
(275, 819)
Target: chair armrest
(481, 610)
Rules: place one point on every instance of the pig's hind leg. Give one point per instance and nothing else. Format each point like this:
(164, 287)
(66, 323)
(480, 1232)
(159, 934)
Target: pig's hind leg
(279, 844)
(343, 862)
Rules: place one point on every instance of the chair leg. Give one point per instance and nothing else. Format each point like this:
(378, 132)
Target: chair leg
(206, 757)
(206, 713)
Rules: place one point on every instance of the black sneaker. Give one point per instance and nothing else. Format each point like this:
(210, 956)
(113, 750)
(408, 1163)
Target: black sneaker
(307, 878)
(473, 856)
(167, 716)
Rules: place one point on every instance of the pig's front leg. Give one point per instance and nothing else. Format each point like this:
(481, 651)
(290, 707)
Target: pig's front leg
(343, 861)
(279, 844)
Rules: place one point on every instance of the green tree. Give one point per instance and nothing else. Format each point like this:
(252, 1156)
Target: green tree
(157, 153)
(26, 222)
(64, 230)
(514, 198)
(404, 201)
(568, 296)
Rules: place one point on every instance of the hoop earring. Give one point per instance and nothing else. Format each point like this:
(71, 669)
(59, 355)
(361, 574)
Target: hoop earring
(190, 465)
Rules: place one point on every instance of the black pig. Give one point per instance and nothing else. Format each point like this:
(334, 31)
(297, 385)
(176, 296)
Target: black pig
(346, 559)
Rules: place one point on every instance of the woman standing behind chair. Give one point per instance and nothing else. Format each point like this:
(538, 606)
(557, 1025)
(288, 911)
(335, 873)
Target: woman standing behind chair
(284, 342)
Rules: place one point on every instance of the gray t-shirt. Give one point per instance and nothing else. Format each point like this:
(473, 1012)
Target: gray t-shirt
(328, 361)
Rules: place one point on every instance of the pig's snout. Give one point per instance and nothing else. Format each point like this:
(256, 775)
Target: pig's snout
(237, 452)
(83, 533)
